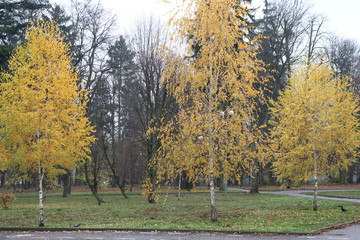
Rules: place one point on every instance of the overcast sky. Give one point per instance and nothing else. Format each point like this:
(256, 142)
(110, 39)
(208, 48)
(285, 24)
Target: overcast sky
(343, 15)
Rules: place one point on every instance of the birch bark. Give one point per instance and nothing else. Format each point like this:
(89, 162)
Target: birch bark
(41, 196)
(316, 179)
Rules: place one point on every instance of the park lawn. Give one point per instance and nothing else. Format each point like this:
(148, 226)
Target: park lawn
(239, 212)
(342, 194)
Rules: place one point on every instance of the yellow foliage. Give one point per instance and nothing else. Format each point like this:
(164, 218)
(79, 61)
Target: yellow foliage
(42, 114)
(316, 124)
(214, 131)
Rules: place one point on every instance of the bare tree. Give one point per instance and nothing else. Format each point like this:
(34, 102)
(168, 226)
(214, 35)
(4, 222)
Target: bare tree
(91, 36)
(344, 55)
(314, 35)
(93, 26)
(149, 36)
(356, 76)
(283, 28)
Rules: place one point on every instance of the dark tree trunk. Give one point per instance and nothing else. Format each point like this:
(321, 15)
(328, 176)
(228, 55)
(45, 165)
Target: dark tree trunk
(152, 146)
(255, 178)
(351, 173)
(185, 183)
(3, 178)
(343, 176)
(222, 183)
(27, 184)
(151, 197)
(67, 184)
(121, 186)
(93, 185)
(118, 182)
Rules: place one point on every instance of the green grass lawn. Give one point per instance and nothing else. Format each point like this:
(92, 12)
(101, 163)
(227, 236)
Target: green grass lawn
(343, 194)
(239, 211)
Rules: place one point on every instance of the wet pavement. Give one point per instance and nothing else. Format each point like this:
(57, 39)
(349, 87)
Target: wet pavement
(349, 233)
(300, 193)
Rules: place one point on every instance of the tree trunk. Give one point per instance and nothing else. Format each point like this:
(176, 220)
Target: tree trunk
(96, 194)
(344, 176)
(225, 183)
(67, 184)
(113, 171)
(152, 185)
(73, 177)
(41, 197)
(315, 204)
(179, 187)
(3, 179)
(93, 186)
(27, 184)
(151, 170)
(117, 180)
(122, 190)
(316, 179)
(254, 181)
(350, 175)
(212, 191)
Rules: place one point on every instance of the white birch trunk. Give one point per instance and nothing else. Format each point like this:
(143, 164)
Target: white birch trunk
(212, 191)
(226, 187)
(210, 109)
(41, 197)
(315, 204)
(179, 195)
(316, 179)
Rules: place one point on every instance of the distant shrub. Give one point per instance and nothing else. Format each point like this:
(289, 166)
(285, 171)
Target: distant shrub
(7, 199)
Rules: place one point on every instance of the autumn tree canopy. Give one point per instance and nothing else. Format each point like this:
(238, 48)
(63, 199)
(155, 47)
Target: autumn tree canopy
(316, 125)
(213, 133)
(42, 116)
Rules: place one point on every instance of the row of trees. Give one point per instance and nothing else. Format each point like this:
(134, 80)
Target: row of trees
(219, 132)
(122, 78)
(158, 115)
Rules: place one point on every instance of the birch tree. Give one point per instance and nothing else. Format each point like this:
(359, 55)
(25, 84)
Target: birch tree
(316, 126)
(42, 114)
(213, 133)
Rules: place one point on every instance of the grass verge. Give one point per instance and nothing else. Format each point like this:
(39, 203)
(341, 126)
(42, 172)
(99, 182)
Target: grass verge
(239, 212)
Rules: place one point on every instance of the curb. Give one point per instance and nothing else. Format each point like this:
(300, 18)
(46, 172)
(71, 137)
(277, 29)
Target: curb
(50, 229)
(337, 226)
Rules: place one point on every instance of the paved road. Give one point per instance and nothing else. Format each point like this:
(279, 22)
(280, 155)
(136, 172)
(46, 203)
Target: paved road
(300, 193)
(349, 233)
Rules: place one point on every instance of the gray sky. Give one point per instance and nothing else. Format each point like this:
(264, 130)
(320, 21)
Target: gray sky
(343, 15)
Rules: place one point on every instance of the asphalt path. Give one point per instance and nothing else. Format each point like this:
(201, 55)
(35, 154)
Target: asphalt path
(349, 233)
(300, 193)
